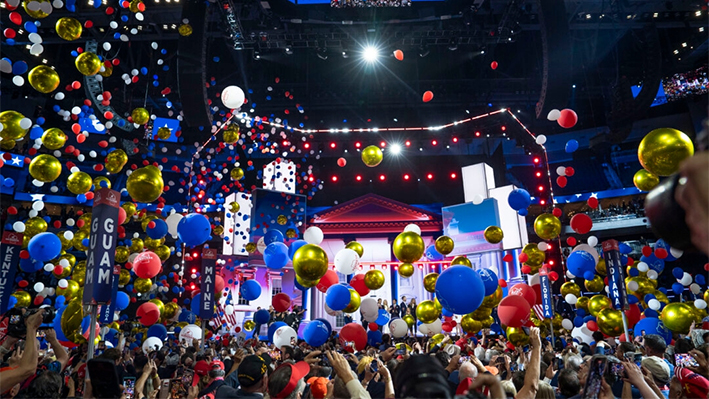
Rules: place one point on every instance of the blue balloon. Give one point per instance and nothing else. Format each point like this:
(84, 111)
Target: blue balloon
(57, 324)
(159, 231)
(460, 289)
(59, 301)
(272, 235)
(699, 279)
(445, 312)
(654, 263)
(651, 313)
(664, 245)
(571, 146)
(578, 321)
(589, 275)
(523, 212)
(157, 330)
(634, 272)
(44, 247)
(111, 336)
(383, 318)
(316, 333)
(196, 304)
(625, 248)
(276, 255)
(294, 246)
(678, 273)
(632, 299)
(188, 317)
(432, 254)
(272, 329)
(337, 297)
(250, 290)
(19, 68)
(489, 279)
(374, 338)
(580, 262)
(652, 325)
(519, 199)
(122, 300)
(30, 265)
(677, 288)
(194, 229)
(262, 316)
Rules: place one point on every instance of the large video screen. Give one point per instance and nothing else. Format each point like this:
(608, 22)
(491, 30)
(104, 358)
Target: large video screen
(275, 210)
(466, 224)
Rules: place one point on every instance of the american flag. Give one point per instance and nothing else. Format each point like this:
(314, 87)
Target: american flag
(226, 320)
(539, 311)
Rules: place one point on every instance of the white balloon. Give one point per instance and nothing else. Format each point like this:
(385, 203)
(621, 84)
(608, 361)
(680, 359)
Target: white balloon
(569, 274)
(331, 312)
(150, 344)
(59, 96)
(541, 139)
(38, 287)
(413, 227)
(653, 304)
(478, 199)
(399, 328)
(233, 97)
(18, 227)
(172, 222)
(633, 286)
(652, 275)
(582, 335)
(571, 299)
(695, 288)
(284, 336)
(38, 205)
(34, 37)
(313, 235)
(46, 7)
(587, 248)
(5, 66)
(107, 46)
(643, 267)
(113, 24)
(676, 252)
(592, 241)
(686, 279)
(561, 171)
(369, 309)
(553, 115)
(432, 328)
(63, 283)
(18, 80)
(700, 304)
(229, 310)
(190, 332)
(567, 324)
(36, 49)
(542, 246)
(261, 245)
(48, 267)
(64, 263)
(346, 261)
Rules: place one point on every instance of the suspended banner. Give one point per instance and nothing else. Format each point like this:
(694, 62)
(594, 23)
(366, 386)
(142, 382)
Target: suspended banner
(100, 270)
(545, 287)
(616, 275)
(107, 311)
(10, 258)
(209, 265)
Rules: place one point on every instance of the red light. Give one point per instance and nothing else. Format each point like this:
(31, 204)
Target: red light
(429, 176)
(358, 178)
(195, 254)
(407, 177)
(192, 286)
(407, 143)
(540, 188)
(550, 247)
(285, 143)
(420, 267)
(382, 177)
(538, 174)
(542, 202)
(334, 178)
(536, 160)
(551, 263)
(503, 128)
(311, 178)
(453, 175)
(477, 134)
(434, 142)
(306, 145)
(194, 270)
(358, 144)
(383, 144)
(455, 139)
(333, 145)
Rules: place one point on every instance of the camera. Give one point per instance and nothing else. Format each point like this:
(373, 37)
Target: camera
(16, 320)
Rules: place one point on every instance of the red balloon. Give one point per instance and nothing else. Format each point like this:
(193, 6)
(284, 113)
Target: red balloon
(571, 241)
(493, 65)
(373, 326)
(592, 325)
(357, 283)
(399, 55)
(568, 118)
(647, 251)
(353, 336)
(502, 283)
(446, 326)
(592, 202)
(570, 171)
(526, 269)
(148, 313)
(327, 280)
(581, 223)
(427, 96)
(523, 257)
(561, 181)
(525, 292)
(513, 310)
(16, 18)
(219, 284)
(341, 162)
(281, 302)
(122, 215)
(633, 314)
(661, 253)
(9, 33)
(147, 264)
(507, 258)
(556, 212)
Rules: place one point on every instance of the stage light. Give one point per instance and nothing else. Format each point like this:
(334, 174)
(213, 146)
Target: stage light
(370, 54)
(477, 134)
(192, 286)
(195, 254)
(334, 178)
(358, 144)
(540, 188)
(503, 128)
(194, 270)
(429, 176)
(358, 178)
(333, 145)
(382, 177)
(453, 175)
(535, 160)
(311, 179)
(306, 145)
(407, 177)
(434, 142)
(455, 139)
(538, 174)
(407, 143)
(285, 143)
(542, 202)
(383, 144)
(551, 263)
(396, 149)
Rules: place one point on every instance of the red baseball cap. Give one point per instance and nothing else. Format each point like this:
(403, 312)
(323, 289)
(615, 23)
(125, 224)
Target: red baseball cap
(693, 384)
(298, 371)
(201, 368)
(218, 364)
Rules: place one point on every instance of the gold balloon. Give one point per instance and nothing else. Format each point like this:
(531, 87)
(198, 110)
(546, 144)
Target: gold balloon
(595, 285)
(135, 6)
(429, 282)
(470, 325)
(163, 252)
(98, 180)
(71, 321)
(677, 317)
(145, 184)
(137, 245)
(372, 156)
(38, 13)
(662, 150)
(70, 291)
(185, 30)
(66, 271)
(535, 257)
(355, 246)
(86, 219)
(79, 183)
(547, 226)
(234, 207)
(439, 307)
(68, 28)
(78, 274)
(250, 247)
(610, 322)
(645, 286)
(355, 301)
(661, 297)
(481, 313)
(45, 168)
(645, 181)
(582, 303)
(444, 245)
(7, 145)
(12, 130)
(124, 277)
(107, 70)
(54, 138)
(35, 225)
(488, 322)
(142, 285)
(72, 260)
(436, 339)
(130, 209)
(249, 325)
(164, 133)
(374, 279)
(43, 79)
(122, 254)
(282, 220)
(115, 161)
(410, 321)
(160, 305)
(492, 300)
(517, 337)
(493, 234)
(598, 303)
(306, 283)
(426, 312)
(24, 299)
(152, 244)
(461, 260)
(140, 116)
(291, 233)
(570, 287)
(231, 134)
(406, 270)
(237, 174)
(310, 262)
(601, 267)
(88, 63)
(169, 311)
(408, 247)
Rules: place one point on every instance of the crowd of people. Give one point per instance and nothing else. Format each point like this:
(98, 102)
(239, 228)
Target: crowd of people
(486, 365)
(681, 85)
(369, 3)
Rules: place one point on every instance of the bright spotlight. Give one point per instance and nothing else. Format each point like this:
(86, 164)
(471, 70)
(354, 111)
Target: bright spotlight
(370, 54)
(395, 149)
